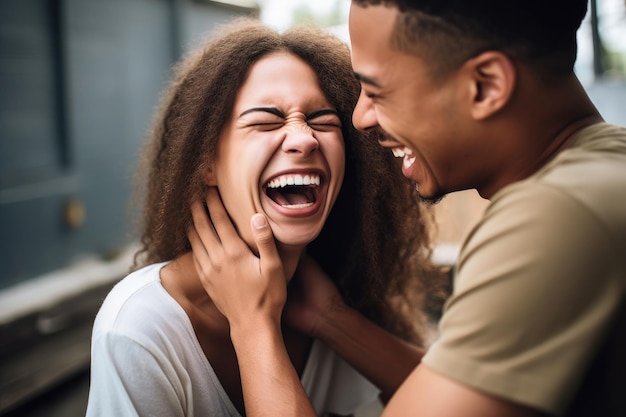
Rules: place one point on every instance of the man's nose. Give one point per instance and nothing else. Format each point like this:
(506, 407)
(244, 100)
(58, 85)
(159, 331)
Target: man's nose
(364, 115)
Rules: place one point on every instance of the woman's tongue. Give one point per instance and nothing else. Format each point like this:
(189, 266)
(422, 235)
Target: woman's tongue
(290, 199)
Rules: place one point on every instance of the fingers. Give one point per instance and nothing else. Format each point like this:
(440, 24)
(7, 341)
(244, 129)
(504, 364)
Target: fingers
(225, 231)
(207, 239)
(217, 236)
(264, 239)
(199, 253)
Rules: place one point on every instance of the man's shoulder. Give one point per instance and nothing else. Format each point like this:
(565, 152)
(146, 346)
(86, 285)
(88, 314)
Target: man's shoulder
(587, 177)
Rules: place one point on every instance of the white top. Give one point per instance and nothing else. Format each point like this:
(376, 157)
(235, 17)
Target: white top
(147, 361)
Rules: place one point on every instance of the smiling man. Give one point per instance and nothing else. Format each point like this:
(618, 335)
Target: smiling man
(482, 95)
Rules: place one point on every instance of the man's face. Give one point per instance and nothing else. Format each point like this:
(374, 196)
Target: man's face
(282, 152)
(418, 115)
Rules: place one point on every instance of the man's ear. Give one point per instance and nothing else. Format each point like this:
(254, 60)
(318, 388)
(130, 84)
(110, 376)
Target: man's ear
(493, 82)
(210, 178)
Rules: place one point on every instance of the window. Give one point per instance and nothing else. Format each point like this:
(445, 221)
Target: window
(602, 42)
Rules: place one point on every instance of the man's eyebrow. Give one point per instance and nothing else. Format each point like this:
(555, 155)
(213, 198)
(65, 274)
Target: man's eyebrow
(271, 110)
(321, 112)
(366, 80)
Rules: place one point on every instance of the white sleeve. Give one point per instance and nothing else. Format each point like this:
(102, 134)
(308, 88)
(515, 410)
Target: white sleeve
(333, 386)
(128, 379)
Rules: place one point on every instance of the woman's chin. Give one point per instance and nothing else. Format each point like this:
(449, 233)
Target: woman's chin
(294, 239)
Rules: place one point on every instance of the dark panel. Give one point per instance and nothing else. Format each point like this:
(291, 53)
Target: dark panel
(119, 57)
(115, 58)
(29, 123)
(80, 82)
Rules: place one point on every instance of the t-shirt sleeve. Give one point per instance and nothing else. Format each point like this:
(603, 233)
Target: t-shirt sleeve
(129, 380)
(535, 293)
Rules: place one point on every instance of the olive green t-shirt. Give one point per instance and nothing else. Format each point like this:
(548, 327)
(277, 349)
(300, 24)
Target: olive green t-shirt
(536, 316)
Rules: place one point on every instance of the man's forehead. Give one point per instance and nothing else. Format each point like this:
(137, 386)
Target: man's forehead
(371, 23)
(370, 30)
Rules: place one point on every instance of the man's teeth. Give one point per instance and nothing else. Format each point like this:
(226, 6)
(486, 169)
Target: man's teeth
(291, 179)
(401, 152)
(408, 160)
(405, 153)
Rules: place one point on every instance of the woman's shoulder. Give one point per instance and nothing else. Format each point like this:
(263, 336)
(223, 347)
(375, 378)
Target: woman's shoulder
(138, 305)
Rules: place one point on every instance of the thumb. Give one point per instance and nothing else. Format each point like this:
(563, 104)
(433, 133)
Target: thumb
(264, 239)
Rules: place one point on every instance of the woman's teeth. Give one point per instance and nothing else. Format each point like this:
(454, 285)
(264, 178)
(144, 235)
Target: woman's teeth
(294, 191)
(294, 179)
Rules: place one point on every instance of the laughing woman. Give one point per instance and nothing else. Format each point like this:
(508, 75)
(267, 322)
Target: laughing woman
(264, 118)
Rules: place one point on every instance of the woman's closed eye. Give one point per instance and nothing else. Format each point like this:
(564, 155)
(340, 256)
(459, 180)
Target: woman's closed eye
(324, 126)
(263, 118)
(324, 120)
(266, 125)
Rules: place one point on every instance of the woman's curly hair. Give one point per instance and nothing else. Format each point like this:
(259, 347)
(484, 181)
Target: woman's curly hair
(376, 242)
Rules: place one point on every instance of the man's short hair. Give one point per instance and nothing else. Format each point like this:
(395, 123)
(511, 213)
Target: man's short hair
(541, 33)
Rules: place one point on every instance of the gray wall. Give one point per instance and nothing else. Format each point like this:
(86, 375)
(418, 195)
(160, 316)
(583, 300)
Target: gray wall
(79, 80)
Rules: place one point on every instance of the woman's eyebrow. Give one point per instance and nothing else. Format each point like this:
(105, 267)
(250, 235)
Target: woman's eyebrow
(271, 110)
(321, 112)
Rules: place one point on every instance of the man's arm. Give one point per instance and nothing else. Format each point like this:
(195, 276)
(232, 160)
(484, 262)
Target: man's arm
(377, 354)
(387, 361)
(315, 307)
(426, 393)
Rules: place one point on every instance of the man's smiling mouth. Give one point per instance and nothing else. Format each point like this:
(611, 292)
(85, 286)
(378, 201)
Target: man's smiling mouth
(294, 191)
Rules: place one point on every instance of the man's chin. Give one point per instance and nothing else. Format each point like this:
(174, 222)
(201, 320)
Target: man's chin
(430, 200)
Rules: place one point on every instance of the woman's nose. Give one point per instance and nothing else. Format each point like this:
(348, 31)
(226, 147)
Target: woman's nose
(300, 140)
(364, 115)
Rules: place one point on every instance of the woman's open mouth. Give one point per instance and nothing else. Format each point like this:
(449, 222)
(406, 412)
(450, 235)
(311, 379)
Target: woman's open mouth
(295, 191)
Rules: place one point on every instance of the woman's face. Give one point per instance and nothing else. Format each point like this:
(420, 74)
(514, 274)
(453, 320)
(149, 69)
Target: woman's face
(281, 153)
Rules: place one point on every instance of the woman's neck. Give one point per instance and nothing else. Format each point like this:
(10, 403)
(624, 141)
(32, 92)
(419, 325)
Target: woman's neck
(182, 281)
(290, 256)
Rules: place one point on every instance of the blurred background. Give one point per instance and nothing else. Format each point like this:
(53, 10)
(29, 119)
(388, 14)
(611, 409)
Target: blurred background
(79, 80)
